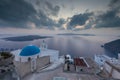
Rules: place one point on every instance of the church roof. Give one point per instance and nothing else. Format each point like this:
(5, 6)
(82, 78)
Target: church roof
(29, 50)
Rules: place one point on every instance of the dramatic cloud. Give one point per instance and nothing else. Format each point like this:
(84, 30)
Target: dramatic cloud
(87, 20)
(28, 14)
(51, 14)
(79, 19)
(110, 18)
(15, 12)
(52, 10)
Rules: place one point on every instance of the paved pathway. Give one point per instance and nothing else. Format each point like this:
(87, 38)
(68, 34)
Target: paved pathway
(49, 75)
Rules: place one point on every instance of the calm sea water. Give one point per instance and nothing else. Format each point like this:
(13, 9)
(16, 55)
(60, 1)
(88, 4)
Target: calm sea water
(86, 46)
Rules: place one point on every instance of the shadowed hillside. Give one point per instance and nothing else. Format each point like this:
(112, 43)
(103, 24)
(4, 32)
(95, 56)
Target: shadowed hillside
(113, 46)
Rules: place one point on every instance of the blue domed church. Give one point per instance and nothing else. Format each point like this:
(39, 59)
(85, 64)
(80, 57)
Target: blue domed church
(32, 58)
(29, 52)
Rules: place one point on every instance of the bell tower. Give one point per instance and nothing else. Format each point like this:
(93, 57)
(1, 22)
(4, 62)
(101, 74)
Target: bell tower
(44, 45)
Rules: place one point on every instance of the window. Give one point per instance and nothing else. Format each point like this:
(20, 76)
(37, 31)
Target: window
(29, 58)
(37, 56)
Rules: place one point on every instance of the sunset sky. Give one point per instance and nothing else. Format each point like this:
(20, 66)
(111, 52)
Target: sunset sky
(58, 16)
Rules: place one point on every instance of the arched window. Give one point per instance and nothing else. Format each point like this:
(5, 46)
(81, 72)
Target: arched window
(37, 56)
(29, 58)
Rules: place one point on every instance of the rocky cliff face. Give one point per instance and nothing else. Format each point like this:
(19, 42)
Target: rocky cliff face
(113, 46)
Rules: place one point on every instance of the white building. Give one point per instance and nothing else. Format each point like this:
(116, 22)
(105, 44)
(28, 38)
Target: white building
(28, 52)
(31, 58)
(111, 65)
(100, 59)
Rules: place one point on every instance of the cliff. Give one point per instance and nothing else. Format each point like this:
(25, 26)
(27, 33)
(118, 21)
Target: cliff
(113, 46)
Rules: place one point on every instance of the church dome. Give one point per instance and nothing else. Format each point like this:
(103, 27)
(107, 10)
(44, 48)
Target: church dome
(30, 50)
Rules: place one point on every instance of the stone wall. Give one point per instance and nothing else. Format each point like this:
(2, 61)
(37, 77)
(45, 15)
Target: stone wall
(113, 71)
(42, 61)
(24, 68)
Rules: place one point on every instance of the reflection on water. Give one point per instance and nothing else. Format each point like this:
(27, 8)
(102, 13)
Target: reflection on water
(73, 45)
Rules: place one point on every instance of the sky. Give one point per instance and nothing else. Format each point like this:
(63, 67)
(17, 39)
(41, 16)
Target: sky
(59, 16)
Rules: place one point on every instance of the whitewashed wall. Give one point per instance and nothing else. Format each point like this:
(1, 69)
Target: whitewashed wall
(54, 54)
(115, 73)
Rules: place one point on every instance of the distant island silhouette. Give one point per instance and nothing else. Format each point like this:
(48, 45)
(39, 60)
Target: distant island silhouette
(113, 46)
(26, 38)
(76, 34)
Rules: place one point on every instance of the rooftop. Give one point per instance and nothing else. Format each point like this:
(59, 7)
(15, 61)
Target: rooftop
(29, 50)
(79, 62)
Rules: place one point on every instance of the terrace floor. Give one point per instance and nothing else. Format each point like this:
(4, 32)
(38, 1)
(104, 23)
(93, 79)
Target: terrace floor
(85, 70)
(59, 72)
(49, 75)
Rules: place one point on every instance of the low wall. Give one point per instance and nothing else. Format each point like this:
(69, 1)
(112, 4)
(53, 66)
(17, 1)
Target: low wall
(113, 72)
(24, 68)
(42, 61)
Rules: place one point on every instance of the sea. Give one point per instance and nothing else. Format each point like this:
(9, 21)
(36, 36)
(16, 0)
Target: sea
(74, 45)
